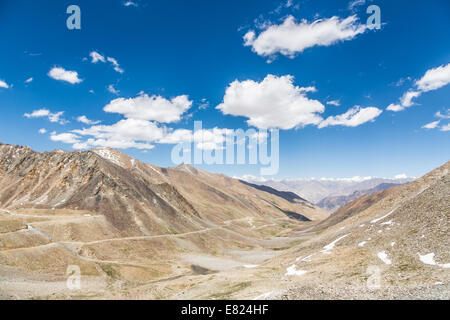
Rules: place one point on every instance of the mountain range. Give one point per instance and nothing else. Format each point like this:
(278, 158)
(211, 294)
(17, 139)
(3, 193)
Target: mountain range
(138, 231)
(331, 194)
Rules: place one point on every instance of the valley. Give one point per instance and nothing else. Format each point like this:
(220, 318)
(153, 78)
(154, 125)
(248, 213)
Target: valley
(138, 231)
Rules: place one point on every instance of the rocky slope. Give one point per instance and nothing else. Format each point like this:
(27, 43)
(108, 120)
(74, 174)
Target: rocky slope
(121, 220)
(143, 232)
(136, 198)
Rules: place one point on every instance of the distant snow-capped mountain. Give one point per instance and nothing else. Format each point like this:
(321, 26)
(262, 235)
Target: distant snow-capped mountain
(316, 190)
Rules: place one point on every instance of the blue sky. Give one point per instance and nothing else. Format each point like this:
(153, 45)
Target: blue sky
(302, 66)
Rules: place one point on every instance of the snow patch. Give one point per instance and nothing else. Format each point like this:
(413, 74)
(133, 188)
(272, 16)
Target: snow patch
(429, 259)
(250, 266)
(292, 271)
(305, 259)
(362, 243)
(109, 155)
(381, 218)
(330, 246)
(383, 256)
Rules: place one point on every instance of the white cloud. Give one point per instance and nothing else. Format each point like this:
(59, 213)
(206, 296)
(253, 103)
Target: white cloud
(205, 139)
(42, 131)
(61, 74)
(435, 124)
(177, 136)
(336, 103)
(353, 117)
(291, 37)
(431, 125)
(127, 133)
(117, 144)
(395, 107)
(204, 104)
(130, 3)
(443, 116)
(401, 176)
(153, 107)
(115, 64)
(45, 113)
(96, 57)
(113, 90)
(29, 80)
(213, 139)
(274, 102)
(406, 99)
(434, 78)
(64, 137)
(85, 120)
(3, 84)
(355, 3)
(308, 89)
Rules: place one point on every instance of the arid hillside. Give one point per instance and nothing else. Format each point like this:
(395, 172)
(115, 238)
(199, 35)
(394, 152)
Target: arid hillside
(121, 220)
(137, 231)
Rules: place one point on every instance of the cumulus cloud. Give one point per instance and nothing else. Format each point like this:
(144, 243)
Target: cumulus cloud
(85, 120)
(353, 117)
(45, 113)
(446, 127)
(275, 102)
(139, 129)
(42, 131)
(29, 80)
(127, 133)
(61, 74)
(204, 139)
(3, 84)
(433, 79)
(291, 37)
(64, 137)
(153, 107)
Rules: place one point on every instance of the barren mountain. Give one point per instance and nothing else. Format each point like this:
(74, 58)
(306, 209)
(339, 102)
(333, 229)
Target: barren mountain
(119, 218)
(143, 232)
